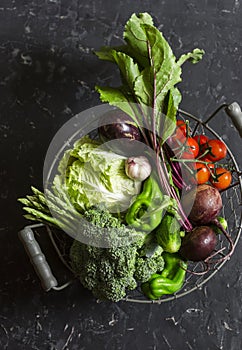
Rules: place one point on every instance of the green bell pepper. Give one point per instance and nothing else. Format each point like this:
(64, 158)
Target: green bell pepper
(169, 281)
(144, 214)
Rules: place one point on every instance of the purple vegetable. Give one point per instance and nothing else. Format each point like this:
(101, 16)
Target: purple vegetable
(117, 125)
(198, 244)
(204, 203)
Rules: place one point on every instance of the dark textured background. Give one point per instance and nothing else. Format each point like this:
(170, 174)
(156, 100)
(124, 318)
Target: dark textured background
(47, 75)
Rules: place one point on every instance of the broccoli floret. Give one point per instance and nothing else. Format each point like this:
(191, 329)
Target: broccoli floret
(145, 267)
(149, 260)
(107, 272)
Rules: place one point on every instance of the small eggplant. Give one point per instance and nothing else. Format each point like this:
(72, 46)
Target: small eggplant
(117, 125)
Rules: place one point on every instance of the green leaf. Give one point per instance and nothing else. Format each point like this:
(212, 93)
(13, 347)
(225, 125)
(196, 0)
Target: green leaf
(128, 69)
(116, 97)
(144, 88)
(106, 52)
(167, 123)
(136, 39)
(195, 56)
(166, 72)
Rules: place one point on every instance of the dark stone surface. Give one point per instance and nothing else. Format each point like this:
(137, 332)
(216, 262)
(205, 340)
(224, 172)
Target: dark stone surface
(47, 75)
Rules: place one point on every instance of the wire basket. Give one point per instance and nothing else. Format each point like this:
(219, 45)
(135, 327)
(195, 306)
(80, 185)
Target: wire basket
(231, 210)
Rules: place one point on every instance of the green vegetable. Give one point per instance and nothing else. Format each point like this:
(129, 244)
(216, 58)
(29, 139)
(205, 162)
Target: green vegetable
(52, 208)
(169, 281)
(168, 234)
(146, 211)
(149, 72)
(149, 260)
(94, 176)
(110, 272)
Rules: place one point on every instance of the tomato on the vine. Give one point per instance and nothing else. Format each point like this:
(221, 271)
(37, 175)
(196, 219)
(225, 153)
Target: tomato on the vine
(181, 131)
(221, 179)
(210, 165)
(201, 139)
(182, 126)
(203, 173)
(216, 150)
(191, 149)
(196, 173)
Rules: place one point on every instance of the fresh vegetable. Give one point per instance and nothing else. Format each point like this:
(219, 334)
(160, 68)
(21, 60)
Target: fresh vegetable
(138, 168)
(201, 139)
(168, 234)
(184, 147)
(117, 125)
(209, 164)
(53, 208)
(98, 196)
(110, 272)
(221, 178)
(202, 173)
(203, 204)
(181, 129)
(149, 74)
(146, 211)
(93, 175)
(191, 149)
(216, 150)
(149, 260)
(169, 281)
(198, 244)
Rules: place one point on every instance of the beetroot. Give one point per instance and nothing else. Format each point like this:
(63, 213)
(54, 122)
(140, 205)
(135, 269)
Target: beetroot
(202, 204)
(198, 244)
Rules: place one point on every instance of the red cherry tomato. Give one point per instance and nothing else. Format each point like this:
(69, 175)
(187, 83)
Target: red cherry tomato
(181, 131)
(181, 125)
(191, 149)
(222, 179)
(201, 139)
(217, 150)
(196, 173)
(203, 173)
(209, 164)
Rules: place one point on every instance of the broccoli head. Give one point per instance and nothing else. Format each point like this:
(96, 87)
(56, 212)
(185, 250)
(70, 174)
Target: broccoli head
(110, 272)
(107, 272)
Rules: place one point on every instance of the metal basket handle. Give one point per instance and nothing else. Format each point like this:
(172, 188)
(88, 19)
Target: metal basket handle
(37, 258)
(234, 112)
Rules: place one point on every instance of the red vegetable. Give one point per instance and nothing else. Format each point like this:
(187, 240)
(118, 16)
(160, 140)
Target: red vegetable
(201, 139)
(203, 173)
(202, 204)
(221, 179)
(209, 164)
(217, 150)
(191, 149)
(198, 244)
(181, 128)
